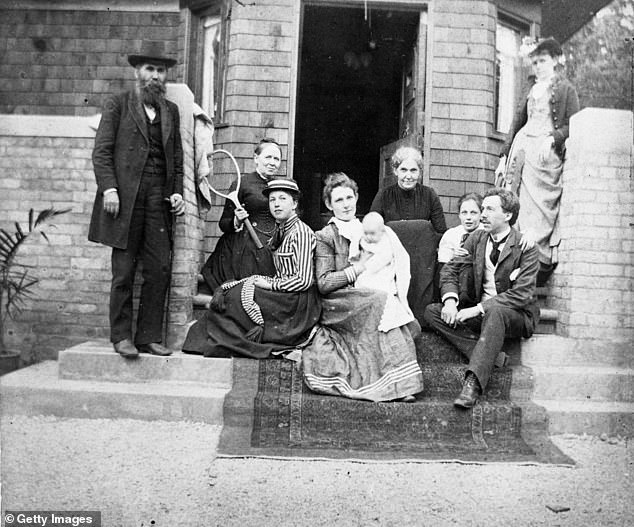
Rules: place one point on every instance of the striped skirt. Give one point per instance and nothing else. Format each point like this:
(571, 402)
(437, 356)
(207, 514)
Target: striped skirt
(349, 356)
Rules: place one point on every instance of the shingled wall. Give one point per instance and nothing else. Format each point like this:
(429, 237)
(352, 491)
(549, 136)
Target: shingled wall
(63, 62)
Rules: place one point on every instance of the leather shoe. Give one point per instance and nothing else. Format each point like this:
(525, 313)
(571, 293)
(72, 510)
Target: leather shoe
(470, 392)
(126, 349)
(154, 348)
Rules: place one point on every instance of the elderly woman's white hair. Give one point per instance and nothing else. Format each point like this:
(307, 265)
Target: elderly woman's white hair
(407, 152)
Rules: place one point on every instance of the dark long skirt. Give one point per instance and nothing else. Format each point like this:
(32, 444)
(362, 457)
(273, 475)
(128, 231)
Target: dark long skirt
(236, 257)
(288, 320)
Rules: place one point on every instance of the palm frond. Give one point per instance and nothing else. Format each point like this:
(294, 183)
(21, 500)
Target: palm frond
(45, 215)
(18, 288)
(18, 231)
(9, 245)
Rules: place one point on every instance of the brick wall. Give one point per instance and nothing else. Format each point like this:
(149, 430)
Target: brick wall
(592, 286)
(462, 155)
(66, 62)
(188, 230)
(45, 161)
(54, 170)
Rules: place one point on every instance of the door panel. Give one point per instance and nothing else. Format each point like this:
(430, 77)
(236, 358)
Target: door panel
(412, 115)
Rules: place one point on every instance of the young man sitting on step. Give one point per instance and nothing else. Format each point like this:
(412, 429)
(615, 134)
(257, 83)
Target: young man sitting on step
(500, 300)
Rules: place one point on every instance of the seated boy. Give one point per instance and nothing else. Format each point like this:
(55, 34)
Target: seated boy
(452, 242)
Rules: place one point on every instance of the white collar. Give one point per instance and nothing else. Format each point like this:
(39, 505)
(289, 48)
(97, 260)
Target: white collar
(500, 235)
(352, 230)
(150, 111)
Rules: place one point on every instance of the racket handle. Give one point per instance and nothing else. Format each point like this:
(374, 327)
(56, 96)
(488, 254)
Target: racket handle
(252, 233)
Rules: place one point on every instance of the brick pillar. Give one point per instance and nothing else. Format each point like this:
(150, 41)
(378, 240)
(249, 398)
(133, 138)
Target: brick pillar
(592, 286)
(187, 229)
(462, 155)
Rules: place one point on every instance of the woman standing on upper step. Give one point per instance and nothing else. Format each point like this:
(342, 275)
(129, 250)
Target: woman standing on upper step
(536, 150)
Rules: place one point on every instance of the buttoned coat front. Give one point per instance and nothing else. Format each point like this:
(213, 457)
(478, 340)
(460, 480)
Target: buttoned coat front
(515, 276)
(121, 151)
(564, 103)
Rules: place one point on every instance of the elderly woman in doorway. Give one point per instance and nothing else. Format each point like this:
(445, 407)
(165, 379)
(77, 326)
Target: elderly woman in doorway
(235, 255)
(408, 199)
(535, 149)
(260, 315)
(354, 353)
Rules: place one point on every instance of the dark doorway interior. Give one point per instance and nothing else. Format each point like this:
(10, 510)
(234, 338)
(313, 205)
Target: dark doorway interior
(349, 97)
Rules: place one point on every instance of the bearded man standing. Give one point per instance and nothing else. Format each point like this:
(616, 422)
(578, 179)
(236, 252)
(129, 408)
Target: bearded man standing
(138, 163)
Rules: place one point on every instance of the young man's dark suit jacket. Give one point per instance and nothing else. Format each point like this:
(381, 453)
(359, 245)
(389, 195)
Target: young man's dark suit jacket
(120, 153)
(517, 294)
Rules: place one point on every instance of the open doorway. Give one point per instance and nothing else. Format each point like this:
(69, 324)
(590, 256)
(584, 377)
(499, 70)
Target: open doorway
(355, 95)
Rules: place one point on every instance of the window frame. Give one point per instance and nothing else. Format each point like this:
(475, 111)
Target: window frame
(523, 28)
(195, 54)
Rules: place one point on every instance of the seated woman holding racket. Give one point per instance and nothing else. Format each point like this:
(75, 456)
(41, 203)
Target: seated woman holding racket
(260, 315)
(236, 255)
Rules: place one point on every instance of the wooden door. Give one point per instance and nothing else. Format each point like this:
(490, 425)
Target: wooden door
(412, 115)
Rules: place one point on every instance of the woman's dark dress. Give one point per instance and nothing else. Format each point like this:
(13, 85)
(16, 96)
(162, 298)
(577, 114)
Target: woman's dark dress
(235, 255)
(420, 203)
(289, 311)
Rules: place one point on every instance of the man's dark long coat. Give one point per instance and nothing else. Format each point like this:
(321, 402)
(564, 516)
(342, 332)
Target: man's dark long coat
(121, 150)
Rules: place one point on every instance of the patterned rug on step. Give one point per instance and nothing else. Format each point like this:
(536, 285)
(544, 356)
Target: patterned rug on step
(270, 412)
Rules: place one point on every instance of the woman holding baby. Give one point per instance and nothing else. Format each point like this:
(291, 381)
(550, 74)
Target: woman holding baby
(363, 348)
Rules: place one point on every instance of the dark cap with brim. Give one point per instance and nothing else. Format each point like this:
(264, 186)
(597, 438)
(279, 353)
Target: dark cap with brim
(283, 184)
(153, 52)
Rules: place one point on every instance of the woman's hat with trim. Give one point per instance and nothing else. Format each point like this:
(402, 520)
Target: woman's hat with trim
(285, 184)
(152, 51)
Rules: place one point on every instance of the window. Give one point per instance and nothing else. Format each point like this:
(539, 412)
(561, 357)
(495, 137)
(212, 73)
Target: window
(508, 71)
(212, 80)
(206, 55)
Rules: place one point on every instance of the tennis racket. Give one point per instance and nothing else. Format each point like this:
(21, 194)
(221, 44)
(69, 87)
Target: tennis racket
(222, 190)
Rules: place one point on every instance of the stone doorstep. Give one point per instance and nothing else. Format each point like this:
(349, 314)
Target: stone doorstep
(96, 360)
(588, 417)
(38, 390)
(91, 381)
(583, 383)
(555, 350)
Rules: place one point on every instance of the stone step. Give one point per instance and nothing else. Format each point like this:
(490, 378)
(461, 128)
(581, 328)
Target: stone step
(444, 381)
(201, 301)
(38, 390)
(547, 318)
(96, 360)
(584, 383)
(554, 350)
(547, 321)
(589, 417)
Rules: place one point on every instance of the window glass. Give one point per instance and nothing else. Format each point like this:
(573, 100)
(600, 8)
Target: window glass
(508, 70)
(211, 85)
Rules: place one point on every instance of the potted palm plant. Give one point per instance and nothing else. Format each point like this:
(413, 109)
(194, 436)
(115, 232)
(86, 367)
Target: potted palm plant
(16, 279)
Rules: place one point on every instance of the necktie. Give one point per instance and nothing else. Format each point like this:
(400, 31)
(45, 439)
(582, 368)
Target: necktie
(276, 239)
(495, 252)
(464, 239)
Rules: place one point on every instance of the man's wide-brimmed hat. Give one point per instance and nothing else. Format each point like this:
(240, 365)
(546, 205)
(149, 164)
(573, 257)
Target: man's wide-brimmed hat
(284, 184)
(152, 51)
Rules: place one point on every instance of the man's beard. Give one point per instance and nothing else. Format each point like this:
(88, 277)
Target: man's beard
(153, 93)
